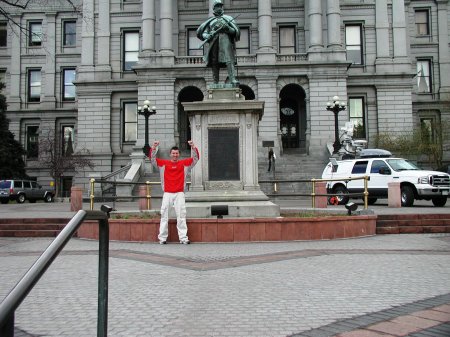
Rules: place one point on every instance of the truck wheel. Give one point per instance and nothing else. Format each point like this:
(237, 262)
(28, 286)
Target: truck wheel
(407, 194)
(439, 201)
(371, 201)
(21, 198)
(48, 198)
(340, 191)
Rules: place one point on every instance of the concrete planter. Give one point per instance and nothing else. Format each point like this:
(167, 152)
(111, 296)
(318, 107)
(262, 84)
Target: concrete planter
(240, 230)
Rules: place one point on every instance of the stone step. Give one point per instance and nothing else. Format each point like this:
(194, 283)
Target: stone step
(31, 227)
(413, 223)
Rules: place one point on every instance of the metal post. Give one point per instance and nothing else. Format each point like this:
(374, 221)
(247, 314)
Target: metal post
(335, 107)
(149, 205)
(313, 194)
(337, 143)
(366, 192)
(103, 256)
(7, 330)
(92, 193)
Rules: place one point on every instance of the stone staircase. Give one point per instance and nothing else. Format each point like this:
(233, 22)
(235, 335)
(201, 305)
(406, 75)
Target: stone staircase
(291, 166)
(32, 227)
(413, 223)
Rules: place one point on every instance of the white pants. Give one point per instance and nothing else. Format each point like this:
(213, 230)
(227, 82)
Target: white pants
(177, 201)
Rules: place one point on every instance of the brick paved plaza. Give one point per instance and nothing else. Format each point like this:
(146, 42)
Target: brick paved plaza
(386, 285)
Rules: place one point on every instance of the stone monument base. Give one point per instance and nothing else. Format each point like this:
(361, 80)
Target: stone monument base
(241, 204)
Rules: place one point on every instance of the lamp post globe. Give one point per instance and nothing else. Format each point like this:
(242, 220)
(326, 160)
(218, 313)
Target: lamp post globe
(335, 107)
(146, 111)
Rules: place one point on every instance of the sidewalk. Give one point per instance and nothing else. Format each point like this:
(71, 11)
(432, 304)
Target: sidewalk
(386, 285)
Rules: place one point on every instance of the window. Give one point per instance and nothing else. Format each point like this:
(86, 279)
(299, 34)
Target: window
(67, 137)
(422, 22)
(34, 85)
(287, 40)
(32, 138)
(69, 33)
(35, 33)
(377, 165)
(68, 86)
(3, 34)
(243, 45)
(130, 49)
(423, 76)
(193, 43)
(357, 116)
(360, 167)
(427, 128)
(353, 43)
(129, 121)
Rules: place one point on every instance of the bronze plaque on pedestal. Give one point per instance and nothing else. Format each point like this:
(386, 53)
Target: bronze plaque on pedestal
(223, 154)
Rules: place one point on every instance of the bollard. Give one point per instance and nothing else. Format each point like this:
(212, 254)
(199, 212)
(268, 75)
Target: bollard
(321, 188)
(142, 197)
(76, 198)
(394, 195)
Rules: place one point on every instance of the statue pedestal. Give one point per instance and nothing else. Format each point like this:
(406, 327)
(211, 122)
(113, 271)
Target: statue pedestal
(224, 127)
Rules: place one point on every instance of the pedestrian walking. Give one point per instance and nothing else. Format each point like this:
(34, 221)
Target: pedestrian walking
(173, 174)
(271, 154)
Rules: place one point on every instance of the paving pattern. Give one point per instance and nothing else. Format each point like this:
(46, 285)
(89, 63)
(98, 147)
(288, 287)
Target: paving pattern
(387, 285)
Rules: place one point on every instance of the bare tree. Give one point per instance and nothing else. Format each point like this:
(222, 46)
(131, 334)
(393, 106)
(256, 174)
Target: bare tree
(60, 159)
(10, 8)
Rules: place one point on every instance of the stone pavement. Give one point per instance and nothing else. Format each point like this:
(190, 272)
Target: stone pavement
(386, 285)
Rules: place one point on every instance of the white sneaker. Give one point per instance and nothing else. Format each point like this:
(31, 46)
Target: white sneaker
(185, 242)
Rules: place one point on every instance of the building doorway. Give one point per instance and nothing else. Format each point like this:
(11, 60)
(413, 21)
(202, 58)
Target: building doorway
(188, 94)
(293, 117)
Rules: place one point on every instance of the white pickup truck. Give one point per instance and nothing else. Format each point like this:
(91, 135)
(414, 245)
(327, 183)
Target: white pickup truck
(414, 183)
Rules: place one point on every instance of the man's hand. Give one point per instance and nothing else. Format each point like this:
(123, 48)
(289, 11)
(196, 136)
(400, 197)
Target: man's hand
(155, 144)
(191, 143)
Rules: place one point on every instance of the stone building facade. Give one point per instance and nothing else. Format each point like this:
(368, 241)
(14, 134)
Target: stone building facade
(83, 71)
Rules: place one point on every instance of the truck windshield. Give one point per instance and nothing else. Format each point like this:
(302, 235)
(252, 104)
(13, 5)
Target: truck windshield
(401, 165)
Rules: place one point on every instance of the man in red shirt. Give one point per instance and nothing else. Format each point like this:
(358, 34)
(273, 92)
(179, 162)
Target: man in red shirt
(173, 180)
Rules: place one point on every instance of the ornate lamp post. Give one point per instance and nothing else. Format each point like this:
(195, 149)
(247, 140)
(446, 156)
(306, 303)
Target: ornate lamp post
(146, 111)
(336, 106)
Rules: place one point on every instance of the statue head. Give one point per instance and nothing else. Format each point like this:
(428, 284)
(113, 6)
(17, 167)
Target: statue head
(217, 3)
(218, 7)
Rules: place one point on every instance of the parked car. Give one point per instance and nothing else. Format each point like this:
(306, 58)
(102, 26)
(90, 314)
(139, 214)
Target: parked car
(415, 183)
(21, 190)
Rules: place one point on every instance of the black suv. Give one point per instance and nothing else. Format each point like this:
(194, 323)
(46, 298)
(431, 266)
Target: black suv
(21, 190)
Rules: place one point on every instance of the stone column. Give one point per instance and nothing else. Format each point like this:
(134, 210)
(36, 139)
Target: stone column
(14, 70)
(103, 69)
(399, 27)
(86, 68)
(382, 28)
(266, 52)
(265, 25)
(269, 124)
(334, 24)
(315, 25)
(148, 26)
(444, 52)
(48, 75)
(166, 22)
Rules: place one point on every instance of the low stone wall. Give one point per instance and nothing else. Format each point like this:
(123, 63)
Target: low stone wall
(239, 230)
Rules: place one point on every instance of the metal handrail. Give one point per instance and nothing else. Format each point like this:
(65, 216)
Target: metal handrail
(13, 300)
(313, 193)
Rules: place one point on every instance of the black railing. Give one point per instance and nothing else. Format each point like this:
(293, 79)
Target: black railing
(13, 300)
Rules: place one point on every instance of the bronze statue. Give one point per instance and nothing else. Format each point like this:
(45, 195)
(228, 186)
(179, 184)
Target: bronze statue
(220, 33)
